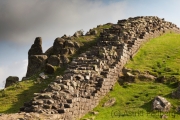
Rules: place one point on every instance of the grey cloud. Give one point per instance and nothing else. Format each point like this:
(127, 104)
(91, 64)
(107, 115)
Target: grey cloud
(23, 20)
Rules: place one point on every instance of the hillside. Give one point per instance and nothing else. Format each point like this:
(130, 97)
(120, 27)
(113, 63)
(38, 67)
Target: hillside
(83, 69)
(134, 99)
(13, 97)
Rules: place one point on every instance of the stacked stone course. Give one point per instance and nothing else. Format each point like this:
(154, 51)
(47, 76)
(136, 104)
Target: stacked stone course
(91, 75)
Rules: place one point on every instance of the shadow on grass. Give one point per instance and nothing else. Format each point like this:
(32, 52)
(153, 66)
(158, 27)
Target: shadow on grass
(147, 106)
(168, 95)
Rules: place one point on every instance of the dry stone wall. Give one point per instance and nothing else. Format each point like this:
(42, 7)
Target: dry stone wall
(92, 74)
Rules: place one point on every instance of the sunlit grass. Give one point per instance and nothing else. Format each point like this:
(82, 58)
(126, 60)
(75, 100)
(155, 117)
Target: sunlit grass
(161, 57)
(134, 101)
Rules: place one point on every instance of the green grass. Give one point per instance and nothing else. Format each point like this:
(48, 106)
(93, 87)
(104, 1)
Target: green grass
(161, 57)
(13, 97)
(133, 101)
(88, 41)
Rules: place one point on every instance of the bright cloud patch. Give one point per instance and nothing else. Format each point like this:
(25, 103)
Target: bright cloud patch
(17, 68)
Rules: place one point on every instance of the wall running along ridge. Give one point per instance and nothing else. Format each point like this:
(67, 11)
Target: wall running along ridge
(91, 75)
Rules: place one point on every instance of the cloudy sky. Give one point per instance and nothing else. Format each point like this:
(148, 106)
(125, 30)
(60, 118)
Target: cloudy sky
(23, 20)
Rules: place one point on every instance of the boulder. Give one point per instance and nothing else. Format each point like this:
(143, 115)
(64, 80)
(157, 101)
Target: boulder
(146, 76)
(93, 32)
(109, 103)
(69, 43)
(36, 63)
(50, 69)
(161, 104)
(59, 43)
(78, 33)
(11, 80)
(128, 76)
(54, 60)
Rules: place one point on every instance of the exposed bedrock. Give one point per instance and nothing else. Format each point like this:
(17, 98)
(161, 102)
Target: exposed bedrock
(55, 55)
(36, 49)
(92, 74)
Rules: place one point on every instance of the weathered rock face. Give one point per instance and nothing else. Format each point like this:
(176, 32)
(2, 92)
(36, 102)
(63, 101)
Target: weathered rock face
(55, 55)
(36, 48)
(11, 80)
(49, 68)
(58, 45)
(161, 104)
(92, 74)
(64, 47)
(54, 60)
(36, 63)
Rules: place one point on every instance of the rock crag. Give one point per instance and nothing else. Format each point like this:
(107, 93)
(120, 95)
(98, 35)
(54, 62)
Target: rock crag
(55, 55)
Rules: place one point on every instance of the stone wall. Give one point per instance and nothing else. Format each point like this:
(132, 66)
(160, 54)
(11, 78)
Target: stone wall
(91, 75)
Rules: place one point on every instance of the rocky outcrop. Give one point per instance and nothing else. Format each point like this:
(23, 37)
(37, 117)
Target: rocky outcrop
(36, 48)
(161, 104)
(11, 80)
(92, 74)
(57, 55)
(35, 64)
(35, 55)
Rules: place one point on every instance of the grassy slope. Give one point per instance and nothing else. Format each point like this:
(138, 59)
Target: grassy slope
(13, 97)
(160, 56)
